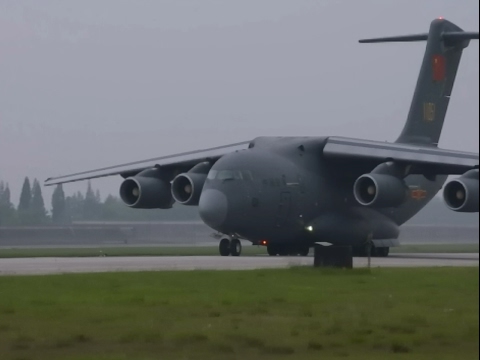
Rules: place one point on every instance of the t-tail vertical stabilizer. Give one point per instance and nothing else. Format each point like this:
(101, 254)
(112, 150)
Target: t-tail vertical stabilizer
(445, 44)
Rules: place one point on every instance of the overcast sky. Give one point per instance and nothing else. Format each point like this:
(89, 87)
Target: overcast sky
(91, 83)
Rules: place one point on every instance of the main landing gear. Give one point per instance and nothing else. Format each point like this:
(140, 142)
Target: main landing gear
(229, 247)
(287, 250)
(362, 251)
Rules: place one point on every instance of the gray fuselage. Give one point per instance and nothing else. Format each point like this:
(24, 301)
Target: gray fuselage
(281, 190)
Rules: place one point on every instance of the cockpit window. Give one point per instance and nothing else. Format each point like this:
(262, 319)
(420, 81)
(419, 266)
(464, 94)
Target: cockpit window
(230, 175)
(247, 175)
(212, 174)
(238, 175)
(225, 175)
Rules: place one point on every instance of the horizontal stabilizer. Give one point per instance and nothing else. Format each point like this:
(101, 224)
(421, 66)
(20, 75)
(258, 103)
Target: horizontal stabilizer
(454, 37)
(451, 38)
(405, 38)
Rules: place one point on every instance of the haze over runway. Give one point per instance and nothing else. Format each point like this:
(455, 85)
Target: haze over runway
(197, 234)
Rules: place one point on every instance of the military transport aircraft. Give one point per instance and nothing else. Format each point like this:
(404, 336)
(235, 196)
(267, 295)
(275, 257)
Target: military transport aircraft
(289, 193)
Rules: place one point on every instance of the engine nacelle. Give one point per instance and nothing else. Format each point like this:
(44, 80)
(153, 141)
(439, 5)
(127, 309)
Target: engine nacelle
(187, 188)
(147, 190)
(461, 194)
(380, 190)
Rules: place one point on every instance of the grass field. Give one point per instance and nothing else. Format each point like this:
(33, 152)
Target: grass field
(300, 313)
(198, 251)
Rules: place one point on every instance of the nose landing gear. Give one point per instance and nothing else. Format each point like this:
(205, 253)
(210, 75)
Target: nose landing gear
(229, 247)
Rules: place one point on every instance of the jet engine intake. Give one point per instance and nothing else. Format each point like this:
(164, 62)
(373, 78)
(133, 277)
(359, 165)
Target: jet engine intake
(187, 188)
(380, 190)
(462, 194)
(146, 191)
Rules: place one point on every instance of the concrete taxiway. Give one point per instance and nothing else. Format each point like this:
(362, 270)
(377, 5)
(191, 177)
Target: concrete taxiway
(43, 266)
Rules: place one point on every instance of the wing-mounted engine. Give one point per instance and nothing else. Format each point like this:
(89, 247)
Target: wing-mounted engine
(147, 190)
(384, 187)
(187, 187)
(461, 194)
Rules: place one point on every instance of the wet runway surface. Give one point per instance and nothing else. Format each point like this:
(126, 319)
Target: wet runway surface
(43, 266)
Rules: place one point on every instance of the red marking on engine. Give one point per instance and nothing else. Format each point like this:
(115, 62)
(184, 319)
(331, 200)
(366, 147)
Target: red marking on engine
(418, 194)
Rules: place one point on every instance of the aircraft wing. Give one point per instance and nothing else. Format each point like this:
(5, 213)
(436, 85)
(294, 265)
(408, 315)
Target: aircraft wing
(183, 162)
(423, 159)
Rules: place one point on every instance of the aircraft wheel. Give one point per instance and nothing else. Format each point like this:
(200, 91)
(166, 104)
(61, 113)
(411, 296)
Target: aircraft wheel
(304, 251)
(225, 247)
(272, 250)
(294, 250)
(383, 252)
(235, 247)
(283, 250)
(374, 251)
(359, 252)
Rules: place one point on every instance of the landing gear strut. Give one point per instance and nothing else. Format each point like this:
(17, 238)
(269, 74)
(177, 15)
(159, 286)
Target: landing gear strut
(229, 247)
(272, 250)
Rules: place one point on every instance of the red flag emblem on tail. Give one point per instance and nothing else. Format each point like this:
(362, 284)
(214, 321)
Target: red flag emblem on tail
(439, 67)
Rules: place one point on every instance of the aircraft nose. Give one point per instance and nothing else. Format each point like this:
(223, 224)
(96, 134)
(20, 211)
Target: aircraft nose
(213, 208)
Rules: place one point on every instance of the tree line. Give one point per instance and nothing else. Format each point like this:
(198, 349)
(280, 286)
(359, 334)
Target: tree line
(31, 208)
(88, 206)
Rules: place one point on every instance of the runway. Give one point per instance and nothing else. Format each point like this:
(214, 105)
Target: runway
(44, 266)
(190, 234)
